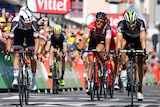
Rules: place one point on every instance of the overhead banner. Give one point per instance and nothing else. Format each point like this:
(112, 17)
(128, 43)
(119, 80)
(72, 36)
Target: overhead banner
(49, 6)
(113, 18)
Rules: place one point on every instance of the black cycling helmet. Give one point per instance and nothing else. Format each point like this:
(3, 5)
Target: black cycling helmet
(101, 15)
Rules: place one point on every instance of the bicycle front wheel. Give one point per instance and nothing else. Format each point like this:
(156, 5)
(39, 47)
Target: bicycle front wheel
(92, 82)
(55, 77)
(26, 89)
(20, 85)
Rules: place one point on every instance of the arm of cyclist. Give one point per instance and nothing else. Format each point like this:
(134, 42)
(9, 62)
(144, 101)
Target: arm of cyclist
(84, 40)
(36, 38)
(10, 37)
(108, 39)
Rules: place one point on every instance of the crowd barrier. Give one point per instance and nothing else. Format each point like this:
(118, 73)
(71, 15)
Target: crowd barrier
(73, 78)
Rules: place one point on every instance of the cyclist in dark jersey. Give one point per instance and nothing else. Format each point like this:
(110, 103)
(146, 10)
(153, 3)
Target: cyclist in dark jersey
(131, 30)
(24, 30)
(99, 33)
(57, 40)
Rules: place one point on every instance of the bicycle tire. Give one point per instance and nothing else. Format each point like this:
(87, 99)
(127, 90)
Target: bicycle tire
(101, 86)
(132, 82)
(26, 89)
(92, 82)
(53, 76)
(110, 84)
(20, 85)
(98, 84)
(104, 87)
(55, 85)
(98, 93)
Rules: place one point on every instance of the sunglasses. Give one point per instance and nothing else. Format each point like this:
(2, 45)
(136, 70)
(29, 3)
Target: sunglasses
(101, 21)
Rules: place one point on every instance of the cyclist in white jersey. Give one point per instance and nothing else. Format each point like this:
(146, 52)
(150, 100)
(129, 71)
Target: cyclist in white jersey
(24, 30)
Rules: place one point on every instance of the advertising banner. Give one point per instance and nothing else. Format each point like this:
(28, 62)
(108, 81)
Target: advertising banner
(112, 18)
(49, 6)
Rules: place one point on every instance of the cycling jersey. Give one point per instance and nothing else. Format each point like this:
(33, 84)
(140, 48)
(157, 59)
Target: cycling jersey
(132, 36)
(97, 37)
(57, 43)
(19, 32)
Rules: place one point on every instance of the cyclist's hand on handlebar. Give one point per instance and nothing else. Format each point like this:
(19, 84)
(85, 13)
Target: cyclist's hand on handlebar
(46, 54)
(40, 57)
(7, 56)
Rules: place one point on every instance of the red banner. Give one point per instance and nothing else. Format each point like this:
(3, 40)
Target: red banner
(113, 18)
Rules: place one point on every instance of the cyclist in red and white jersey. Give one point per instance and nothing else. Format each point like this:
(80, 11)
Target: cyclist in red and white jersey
(99, 34)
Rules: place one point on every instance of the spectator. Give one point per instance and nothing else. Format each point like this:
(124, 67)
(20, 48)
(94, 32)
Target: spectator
(155, 36)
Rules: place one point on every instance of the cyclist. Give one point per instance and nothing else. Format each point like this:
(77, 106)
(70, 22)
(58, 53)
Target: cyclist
(99, 33)
(131, 30)
(57, 40)
(24, 26)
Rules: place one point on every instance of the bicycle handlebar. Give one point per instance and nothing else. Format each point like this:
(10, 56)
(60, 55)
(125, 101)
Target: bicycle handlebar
(22, 52)
(134, 52)
(97, 51)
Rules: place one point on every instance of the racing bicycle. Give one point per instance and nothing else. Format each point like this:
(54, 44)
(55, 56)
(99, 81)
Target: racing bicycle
(55, 72)
(23, 77)
(107, 82)
(94, 74)
(132, 85)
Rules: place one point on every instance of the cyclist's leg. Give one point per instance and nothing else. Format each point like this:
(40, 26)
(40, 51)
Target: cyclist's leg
(62, 58)
(90, 60)
(100, 47)
(139, 77)
(15, 70)
(18, 40)
(33, 45)
(121, 43)
(50, 59)
(113, 63)
(140, 44)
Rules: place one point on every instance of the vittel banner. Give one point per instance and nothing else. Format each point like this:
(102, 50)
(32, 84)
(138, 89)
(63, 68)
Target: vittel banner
(49, 6)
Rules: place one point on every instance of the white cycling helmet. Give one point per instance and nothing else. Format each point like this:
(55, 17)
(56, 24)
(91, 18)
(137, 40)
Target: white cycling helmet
(26, 16)
(130, 16)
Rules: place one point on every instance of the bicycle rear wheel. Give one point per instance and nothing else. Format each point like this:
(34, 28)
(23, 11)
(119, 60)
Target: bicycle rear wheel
(104, 87)
(20, 85)
(110, 83)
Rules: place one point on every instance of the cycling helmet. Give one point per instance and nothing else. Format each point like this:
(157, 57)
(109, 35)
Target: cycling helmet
(101, 15)
(130, 16)
(57, 29)
(26, 16)
(2, 20)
